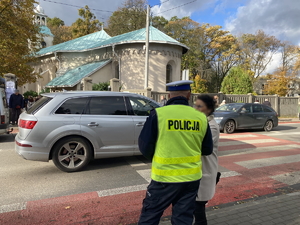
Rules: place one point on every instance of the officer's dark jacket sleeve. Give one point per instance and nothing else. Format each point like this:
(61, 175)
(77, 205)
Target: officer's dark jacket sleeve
(207, 144)
(148, 136)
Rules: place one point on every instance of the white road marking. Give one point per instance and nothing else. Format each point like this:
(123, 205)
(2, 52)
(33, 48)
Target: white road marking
(237, 136)
(275, 133)
(257, 163)
(134, 162)
(288, 178)
(240, 142)
(229, 174)
(12, 207)
(122, 190)
(258, 149)
(146, 174)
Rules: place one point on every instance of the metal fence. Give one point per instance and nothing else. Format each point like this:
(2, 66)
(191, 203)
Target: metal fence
(284, 106)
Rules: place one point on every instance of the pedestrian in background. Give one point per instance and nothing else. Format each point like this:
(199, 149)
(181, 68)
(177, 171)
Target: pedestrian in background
(16, 103)
(174, 136)
(163, 101)
(267, 103)
(256, 102)
(216, 99)
(223, 102)
(206, 104)
(30, 102)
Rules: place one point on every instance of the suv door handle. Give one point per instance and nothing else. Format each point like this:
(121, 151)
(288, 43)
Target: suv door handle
(93, 124)
(140, 124)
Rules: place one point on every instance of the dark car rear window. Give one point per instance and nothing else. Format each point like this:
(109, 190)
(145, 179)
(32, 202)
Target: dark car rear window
(267, 109)
(38, 105)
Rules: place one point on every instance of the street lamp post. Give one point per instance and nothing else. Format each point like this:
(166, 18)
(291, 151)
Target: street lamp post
(147, 49)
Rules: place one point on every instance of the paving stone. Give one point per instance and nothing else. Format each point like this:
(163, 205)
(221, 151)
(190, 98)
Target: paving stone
(283, 210)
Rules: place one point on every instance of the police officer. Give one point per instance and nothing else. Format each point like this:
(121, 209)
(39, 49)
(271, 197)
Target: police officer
(174, 137)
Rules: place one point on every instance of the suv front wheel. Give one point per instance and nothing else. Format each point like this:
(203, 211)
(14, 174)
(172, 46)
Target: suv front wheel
(71, 154)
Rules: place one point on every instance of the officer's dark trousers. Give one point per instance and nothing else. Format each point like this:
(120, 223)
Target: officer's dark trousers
(160, 196)
(199, 214)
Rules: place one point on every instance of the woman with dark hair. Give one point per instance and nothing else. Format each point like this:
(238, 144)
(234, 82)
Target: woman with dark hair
(206, 104)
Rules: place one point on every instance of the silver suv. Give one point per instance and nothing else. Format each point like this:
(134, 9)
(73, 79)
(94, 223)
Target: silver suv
(71, 128)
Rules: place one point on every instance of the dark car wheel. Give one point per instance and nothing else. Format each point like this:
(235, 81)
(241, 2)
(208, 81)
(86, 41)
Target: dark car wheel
(71, 154)
(229, 127)
(268, 125)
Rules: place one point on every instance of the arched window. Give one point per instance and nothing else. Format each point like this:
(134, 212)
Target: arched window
(43, 21)
(38, 20)
(168, 73)
(44, 45)
(117, 71)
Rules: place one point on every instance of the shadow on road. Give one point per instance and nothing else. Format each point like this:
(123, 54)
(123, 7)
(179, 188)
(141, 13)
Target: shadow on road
(7, 138)
(283, 127)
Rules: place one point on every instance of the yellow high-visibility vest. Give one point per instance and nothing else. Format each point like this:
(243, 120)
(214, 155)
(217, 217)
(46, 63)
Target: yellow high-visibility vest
(177, 156)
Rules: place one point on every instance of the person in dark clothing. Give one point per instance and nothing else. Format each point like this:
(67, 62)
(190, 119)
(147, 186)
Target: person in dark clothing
(174, 137)
(267, 103)
(16, 103)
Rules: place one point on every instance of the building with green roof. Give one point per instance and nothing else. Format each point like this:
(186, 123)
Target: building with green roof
(100, 58)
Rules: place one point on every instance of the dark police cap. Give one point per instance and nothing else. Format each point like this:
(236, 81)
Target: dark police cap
(182, 85)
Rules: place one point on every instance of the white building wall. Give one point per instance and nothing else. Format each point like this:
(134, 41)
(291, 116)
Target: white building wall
(132, 59)
(133, 65)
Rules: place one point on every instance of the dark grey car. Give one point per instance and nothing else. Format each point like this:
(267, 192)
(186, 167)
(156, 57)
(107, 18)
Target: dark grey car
(236, 116)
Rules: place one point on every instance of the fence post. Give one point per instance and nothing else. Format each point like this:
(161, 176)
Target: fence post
(87, 84)
(115, 84)
(221, 97)
(250, 98)
(276, 106)
(148, 94)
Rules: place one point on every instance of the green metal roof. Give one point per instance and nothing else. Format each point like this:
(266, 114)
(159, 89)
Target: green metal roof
(101, 40)
(45, 30)
(139, 36)
(74, 76)
(78, 44)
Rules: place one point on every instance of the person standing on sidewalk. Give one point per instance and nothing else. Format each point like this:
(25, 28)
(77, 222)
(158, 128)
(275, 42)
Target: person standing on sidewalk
(16, 103)
(205, 104)
(267, 103)
(174, 137)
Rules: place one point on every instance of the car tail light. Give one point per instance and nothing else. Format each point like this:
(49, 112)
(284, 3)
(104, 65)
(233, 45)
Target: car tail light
(23, 145)
(2, 119)
(27, 124)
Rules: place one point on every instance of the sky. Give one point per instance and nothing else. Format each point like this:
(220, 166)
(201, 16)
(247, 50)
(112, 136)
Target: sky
(280, 18)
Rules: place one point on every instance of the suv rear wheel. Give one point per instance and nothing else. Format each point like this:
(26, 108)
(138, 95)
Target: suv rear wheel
(71, 154)
(268, 125)
(229, 127)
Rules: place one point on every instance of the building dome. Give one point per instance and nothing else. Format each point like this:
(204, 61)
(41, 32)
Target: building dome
(39, 9)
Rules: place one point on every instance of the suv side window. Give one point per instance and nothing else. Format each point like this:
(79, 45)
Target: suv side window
(246, 109)
(111, 105)
(257, 108)
(266, 109)
(142, 107)
(72, 106)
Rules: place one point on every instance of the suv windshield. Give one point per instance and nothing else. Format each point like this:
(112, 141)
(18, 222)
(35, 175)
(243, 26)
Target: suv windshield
(38, 105)
(229, 108)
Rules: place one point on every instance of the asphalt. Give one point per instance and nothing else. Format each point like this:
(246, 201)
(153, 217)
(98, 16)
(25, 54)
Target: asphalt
(283, 209)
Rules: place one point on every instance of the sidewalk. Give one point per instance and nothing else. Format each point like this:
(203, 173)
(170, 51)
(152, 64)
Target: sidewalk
(288, 120)
(283, 210)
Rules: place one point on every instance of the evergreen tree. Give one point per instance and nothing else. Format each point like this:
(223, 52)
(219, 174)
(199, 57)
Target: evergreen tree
(237, 81)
